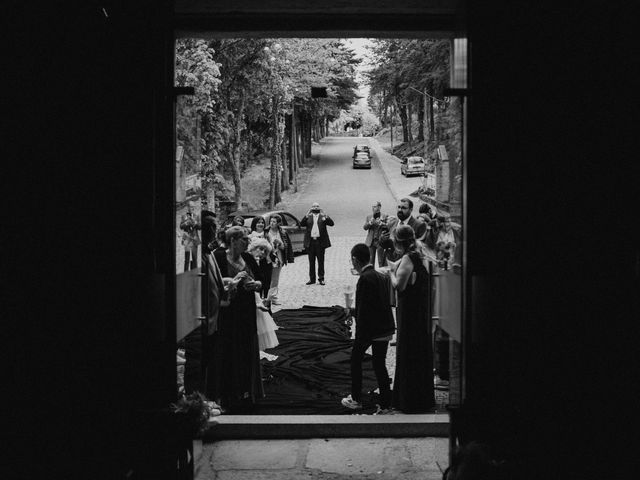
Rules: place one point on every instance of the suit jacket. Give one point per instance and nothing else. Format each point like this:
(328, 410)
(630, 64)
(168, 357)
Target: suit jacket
(323, 222)
(373, 231)
(373, 311)
(419, 227)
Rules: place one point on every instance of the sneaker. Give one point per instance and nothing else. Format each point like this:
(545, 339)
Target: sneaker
(351, 403)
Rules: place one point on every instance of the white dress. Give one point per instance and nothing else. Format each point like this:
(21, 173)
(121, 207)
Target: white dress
(267, 337)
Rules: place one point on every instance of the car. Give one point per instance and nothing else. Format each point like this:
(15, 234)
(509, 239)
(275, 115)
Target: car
(413, 166)
(361, 160)
(290, 224)
(361, 148)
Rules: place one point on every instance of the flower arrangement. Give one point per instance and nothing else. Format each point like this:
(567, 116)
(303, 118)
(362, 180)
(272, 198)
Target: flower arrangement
(196, 410)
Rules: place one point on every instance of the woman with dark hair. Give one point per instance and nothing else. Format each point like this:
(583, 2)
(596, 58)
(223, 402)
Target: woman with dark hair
(281, 255)
(265, 263)
(238, 221)
(413, 380)
(257, 228)
(238, 366)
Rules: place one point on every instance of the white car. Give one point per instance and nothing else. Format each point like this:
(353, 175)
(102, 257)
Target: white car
(413, 166)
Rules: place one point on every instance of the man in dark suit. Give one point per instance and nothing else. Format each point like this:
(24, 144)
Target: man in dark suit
(316, 240)
(374, 327)
(403, 217)
(373, 224)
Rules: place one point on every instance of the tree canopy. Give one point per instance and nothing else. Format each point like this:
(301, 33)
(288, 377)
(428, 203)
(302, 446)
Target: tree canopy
(244, 89)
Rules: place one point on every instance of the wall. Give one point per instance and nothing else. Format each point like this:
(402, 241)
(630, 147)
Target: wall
(88, 307)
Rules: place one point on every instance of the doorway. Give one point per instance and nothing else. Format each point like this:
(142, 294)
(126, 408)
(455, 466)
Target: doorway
(313, 130)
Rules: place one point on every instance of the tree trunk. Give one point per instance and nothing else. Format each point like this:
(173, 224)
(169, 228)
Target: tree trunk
(410, 123)
(421, 122)
(236, 150)
(431, 122)
(306, 122)
(274, 180)
(286, 155)
(294, 149)
(402, 111)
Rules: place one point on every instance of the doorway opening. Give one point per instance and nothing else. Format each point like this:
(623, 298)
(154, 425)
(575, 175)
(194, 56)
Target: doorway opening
(273, 125)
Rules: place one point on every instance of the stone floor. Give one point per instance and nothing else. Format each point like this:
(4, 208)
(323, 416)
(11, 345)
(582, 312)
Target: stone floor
(323, 458)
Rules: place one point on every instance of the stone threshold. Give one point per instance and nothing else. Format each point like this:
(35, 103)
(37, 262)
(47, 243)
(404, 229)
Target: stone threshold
(326, 426)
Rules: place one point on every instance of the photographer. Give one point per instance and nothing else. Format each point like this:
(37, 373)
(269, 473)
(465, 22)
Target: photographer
(316, 240)
(190, 224)
(375, 224)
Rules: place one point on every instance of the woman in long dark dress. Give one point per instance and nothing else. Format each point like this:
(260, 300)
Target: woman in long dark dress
(413, 379)
(239, 381)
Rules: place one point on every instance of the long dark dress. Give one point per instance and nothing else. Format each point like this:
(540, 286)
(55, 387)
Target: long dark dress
(413, 379)
(238, 375)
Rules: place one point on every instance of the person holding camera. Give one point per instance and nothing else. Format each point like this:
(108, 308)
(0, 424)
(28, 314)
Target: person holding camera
(189, 224)
(374, 224)
(316, 240)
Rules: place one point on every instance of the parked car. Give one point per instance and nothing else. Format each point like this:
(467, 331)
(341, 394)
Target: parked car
(413, 166)
(290, 224)
(361, 149)
(361, 160)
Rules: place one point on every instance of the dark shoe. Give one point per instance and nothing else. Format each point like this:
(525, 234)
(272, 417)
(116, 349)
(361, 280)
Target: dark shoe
(385, 411)
(310, 282)
(321, 282)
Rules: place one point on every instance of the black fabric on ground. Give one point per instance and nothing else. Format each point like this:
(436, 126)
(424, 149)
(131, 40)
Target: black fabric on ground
(312, 371)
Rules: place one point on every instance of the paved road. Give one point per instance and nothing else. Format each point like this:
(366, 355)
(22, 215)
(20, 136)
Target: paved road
(345, 194)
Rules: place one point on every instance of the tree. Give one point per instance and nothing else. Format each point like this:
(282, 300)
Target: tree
(195, 67)
(257, 82)
(242, 73)
(404, 68)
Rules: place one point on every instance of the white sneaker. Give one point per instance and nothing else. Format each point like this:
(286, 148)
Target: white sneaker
(351, 403)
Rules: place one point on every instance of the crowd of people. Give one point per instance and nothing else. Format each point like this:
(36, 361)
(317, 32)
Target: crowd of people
(410, 248)
(243, 267)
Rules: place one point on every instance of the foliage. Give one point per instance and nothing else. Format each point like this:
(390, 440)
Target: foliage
(406, 69)
(244, 89)
(196, 67)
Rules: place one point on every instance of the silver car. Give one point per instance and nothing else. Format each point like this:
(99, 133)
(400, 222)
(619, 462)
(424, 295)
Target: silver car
(362, 160)
(413, 166)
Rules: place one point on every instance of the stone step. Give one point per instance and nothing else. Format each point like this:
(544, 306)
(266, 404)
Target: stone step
(327, 426)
